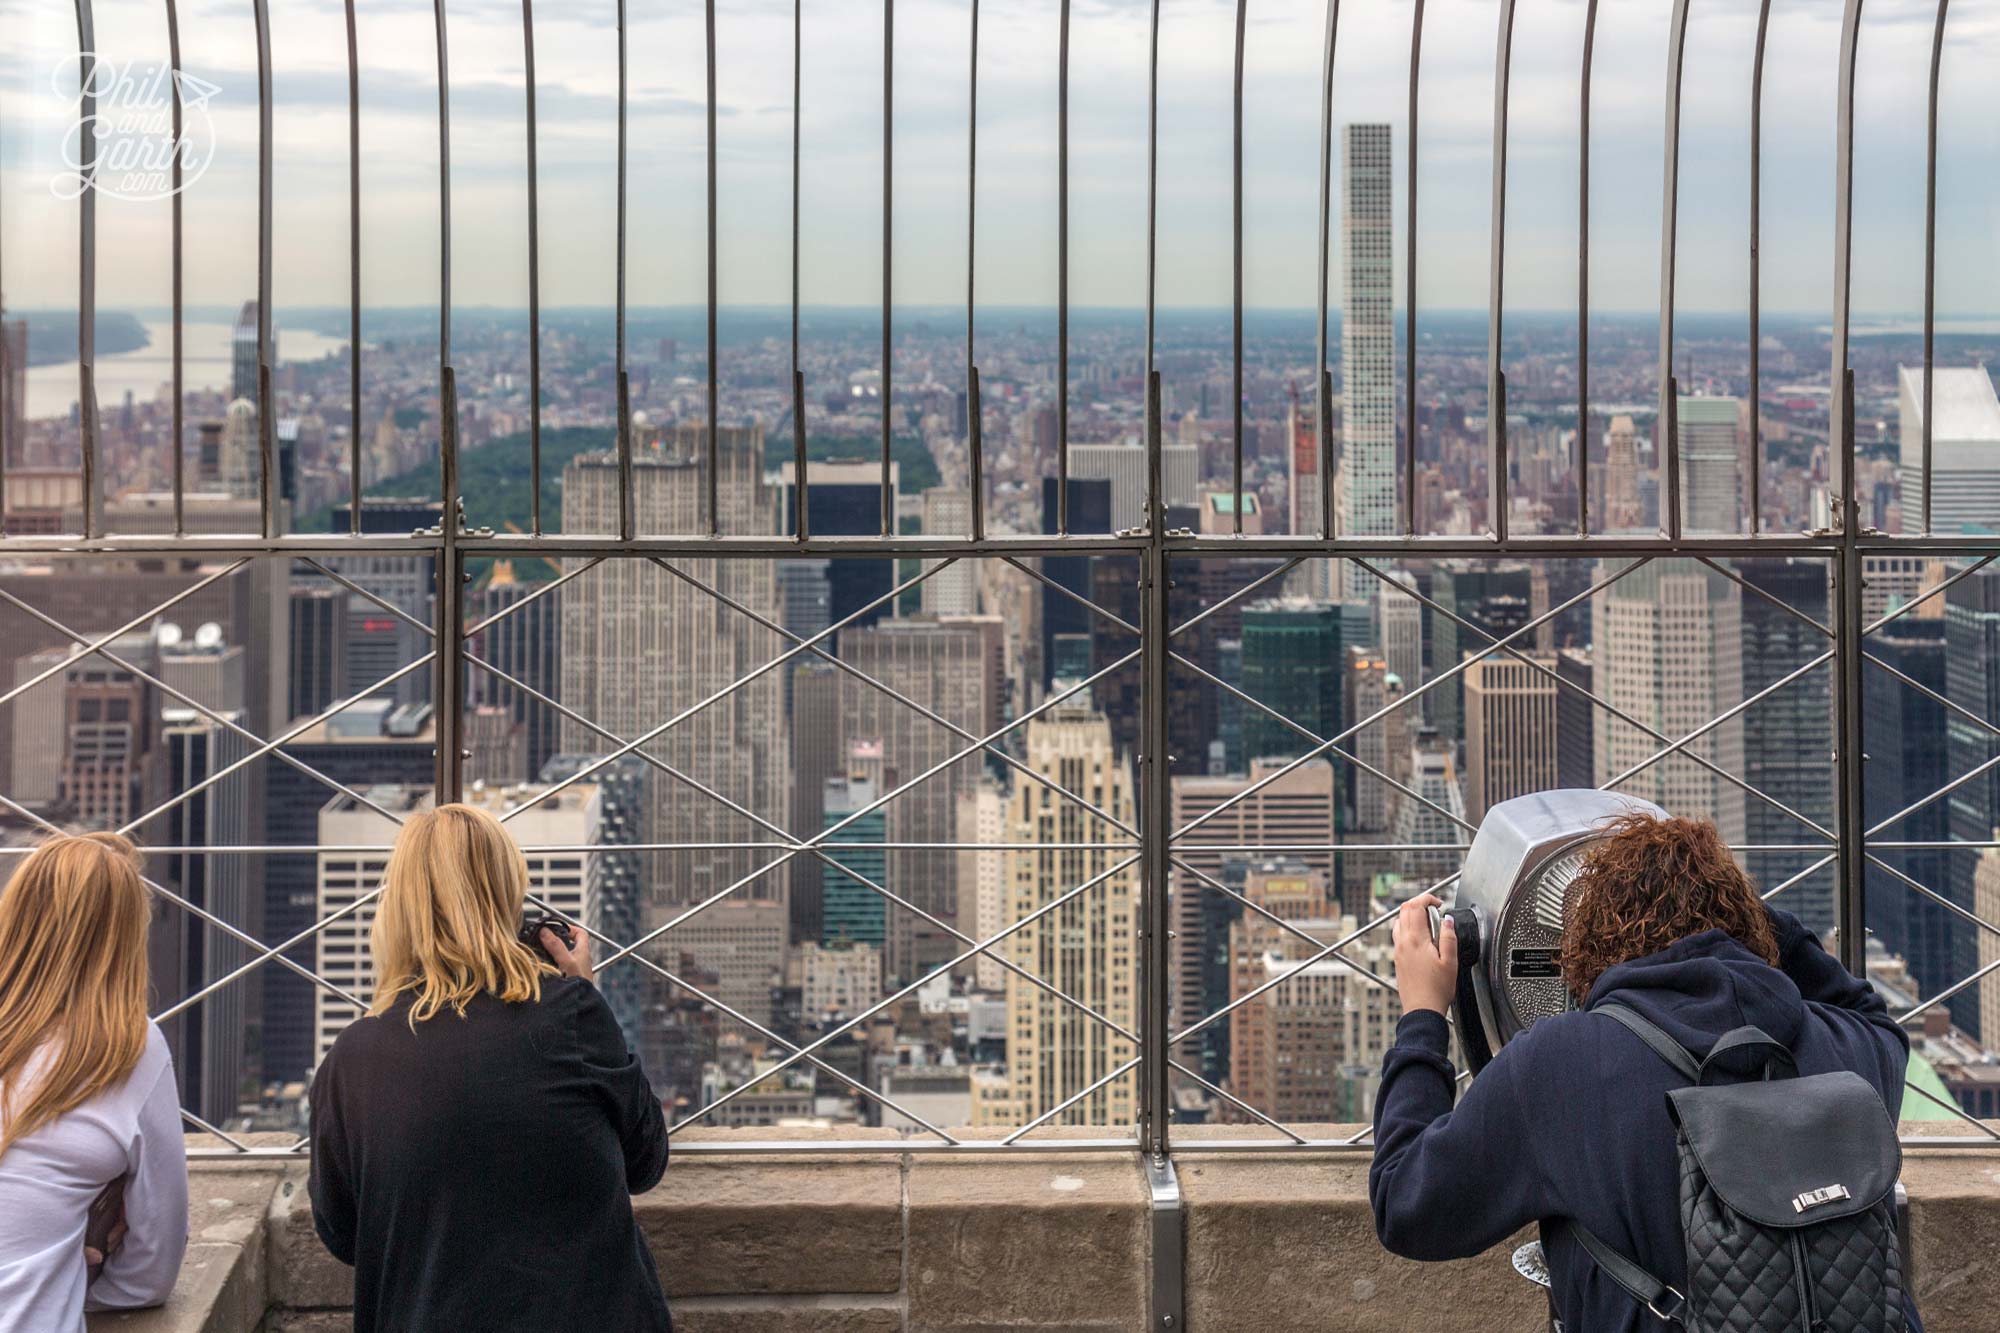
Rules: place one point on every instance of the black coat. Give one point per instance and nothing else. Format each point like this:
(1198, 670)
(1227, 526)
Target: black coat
(1570, 1119)
(478, 1172)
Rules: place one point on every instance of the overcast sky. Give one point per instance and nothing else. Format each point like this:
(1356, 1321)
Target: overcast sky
(842, 174)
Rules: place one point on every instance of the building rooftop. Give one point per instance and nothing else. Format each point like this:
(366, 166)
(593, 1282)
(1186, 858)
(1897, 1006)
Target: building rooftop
(1963, 405)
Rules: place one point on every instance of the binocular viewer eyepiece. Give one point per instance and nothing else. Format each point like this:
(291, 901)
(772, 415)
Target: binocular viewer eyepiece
(1513, 899)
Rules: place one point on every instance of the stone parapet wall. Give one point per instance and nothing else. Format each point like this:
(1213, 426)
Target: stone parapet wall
(907, 1242)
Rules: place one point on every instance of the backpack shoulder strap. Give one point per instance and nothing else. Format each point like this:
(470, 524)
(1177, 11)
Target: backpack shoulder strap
(1654, 1036)
(1643, 1287)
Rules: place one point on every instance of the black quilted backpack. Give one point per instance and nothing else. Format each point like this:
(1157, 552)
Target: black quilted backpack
(1787, 1197)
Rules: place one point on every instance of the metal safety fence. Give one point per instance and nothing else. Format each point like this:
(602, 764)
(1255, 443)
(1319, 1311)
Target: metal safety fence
(1147, 848)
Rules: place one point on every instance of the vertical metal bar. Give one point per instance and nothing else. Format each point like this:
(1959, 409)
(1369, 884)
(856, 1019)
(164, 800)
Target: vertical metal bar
(1410, 287)
(628, 508)
(1583, 278)
(1236, 281)
(1155, 1099)
(800, 524)
(267, 445)
(975, 462)
(1843, 256)
(1169, 1245)
(1323, 381)
(177, 423)
(1668, 441)
(1154, 509)
(1930, 249)
(714, 387)
(353, 276)
(86, 287)
(1756, 281)
(1062, 275)
(1850, 754)
(888, 215)
(1849, 645)
(534, 278)
(450, 570)
(1496, 394)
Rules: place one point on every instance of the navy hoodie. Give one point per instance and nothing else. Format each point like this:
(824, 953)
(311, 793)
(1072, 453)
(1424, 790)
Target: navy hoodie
(1570, 1118)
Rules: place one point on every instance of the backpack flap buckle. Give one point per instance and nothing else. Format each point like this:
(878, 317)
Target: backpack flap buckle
(1676, 1303)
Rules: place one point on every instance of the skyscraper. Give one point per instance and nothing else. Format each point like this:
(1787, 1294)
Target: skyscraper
(1292, 663)
(13, 391)
(1087, 948)
(951, 666)
(242, 457)
(1510, 732)
(318, 650)
(1905, 732)
(1123, 464)
(818, 756)
(640, 647)
(244, 355)
(1497, 597)
(953, 591)
(850, 911)
(1788, 736)
(1972, 681)
(843, 499)
(1576, 720)
(1426, 823)
(1713, 478)
(1965, 449)
(526, 643)
(1089, 511)
(1367, 495)
(1621, 509)
(1670, 653)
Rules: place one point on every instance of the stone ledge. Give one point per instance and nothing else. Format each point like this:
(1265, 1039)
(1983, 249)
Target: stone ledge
(901, 1242)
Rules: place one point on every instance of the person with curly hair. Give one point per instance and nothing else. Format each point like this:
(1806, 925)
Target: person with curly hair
(1570, 1119)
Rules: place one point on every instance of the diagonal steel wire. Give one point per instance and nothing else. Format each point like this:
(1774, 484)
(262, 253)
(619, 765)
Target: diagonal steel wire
(201, 913)
(1927, 891)
(1946, 790)
(1071, 1100)
(1961, 984)
(291, 734)
(276, 952)
(211, 714)
(1899, 612)
(849, 1025)
(647, 738)
(1606, 705)
(793, 843)
(712, 1001)
(1417, 693)
(1801, 875)
(1070, 593)
(1716, 721)
(1826, 631)
(238, 1144)
(1237, 595)
(1315, 737)
(1235, 1101)
(127, 628)
(1289, 927)
(1018, 765)
(372, 597)
(876, 804)
(568, 576)
(1954, 1108)
(1931, 694)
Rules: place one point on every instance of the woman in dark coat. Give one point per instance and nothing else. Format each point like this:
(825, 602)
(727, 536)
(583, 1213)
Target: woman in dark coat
(477, 1137)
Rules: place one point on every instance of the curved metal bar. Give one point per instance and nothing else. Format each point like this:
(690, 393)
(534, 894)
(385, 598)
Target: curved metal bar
(1666, 432)
(1496, 390)
(1410, 291)
(628, 507)
(177, 424)
(1583, 277)
(1155, 506)
(1323, 379)
(534, 274)
(1843, 261)
(888, 252)
(975, 464)
(269, 490)
(1062, 272)
(1236, 281)
(1930, 248)
(86, 283)
(353, 274)
(801, 522)
(1756, 479)
(714, 294)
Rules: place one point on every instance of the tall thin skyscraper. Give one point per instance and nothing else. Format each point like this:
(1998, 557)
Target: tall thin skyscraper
(1621, 509)
(13, 390)
(640, 647)
(1086, 948)
(1510, 732)
(526, 644)
(243, 356)
(954, 590)
(1713, 481)
(1788, 737)
(1367, 497)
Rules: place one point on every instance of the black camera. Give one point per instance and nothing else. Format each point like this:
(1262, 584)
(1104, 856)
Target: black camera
(531, 935)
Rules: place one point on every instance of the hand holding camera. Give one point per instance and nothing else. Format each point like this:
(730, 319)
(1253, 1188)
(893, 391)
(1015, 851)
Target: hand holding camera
(566, 948)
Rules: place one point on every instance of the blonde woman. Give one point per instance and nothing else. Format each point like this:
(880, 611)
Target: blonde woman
(477, 1137)
(90, 1126)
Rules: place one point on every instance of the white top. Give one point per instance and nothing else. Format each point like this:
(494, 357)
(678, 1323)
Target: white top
(49, 1179)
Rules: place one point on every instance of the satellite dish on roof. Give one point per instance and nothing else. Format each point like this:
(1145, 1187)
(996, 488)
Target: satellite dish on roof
(167, 634)
(208, 636)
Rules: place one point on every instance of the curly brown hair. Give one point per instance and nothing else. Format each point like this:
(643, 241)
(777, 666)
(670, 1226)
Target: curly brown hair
(1653, 881)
